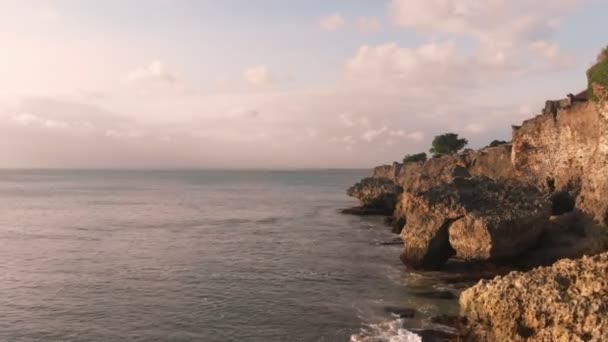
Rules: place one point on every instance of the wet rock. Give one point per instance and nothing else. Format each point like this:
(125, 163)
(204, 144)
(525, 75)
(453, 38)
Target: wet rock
(451, 321)
(436, 294)
(475, 219)
(366, 211)
(436, 335)
(376, 193)
(396, 223)
(400, 311)
(394, 242)
(563, 302)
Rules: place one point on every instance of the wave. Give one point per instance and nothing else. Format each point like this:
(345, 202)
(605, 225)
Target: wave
(389, 331)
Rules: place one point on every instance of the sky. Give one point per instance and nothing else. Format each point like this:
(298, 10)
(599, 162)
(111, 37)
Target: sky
(278, 84)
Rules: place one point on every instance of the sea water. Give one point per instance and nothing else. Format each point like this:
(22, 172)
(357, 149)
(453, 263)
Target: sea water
(102, 255)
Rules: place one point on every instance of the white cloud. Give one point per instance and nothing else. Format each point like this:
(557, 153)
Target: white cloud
(27, 119)
(497, 19)
(506, 30)
(474, 128)
(368, 24)
(415, 136)
(155, 71)
(312, 132)
(258, 76)
(428, 66)
(333, 22)
(125, 134)
(371, 134)
(241, 112)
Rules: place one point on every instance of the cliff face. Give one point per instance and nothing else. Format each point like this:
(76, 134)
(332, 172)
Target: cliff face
(567, 151)
(564, 302)
(474, 218)
(564, 150)
(491, 162)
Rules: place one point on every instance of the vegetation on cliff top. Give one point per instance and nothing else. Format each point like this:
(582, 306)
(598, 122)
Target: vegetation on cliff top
(598, 73)
(418, 157)
(496, 143)
(448, 143)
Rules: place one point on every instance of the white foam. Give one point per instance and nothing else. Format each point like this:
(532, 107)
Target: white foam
(390, 331)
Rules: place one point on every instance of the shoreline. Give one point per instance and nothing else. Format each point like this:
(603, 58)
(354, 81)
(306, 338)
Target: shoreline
(505, 213)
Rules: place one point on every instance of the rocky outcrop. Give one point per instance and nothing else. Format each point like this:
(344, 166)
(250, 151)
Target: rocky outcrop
(474, 219)
(564, 302)
(567, 151)
(387, 171)
(379, 195)
(491, 162)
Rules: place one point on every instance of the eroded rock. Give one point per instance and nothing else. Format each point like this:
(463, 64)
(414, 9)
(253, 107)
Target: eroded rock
(377, 193)
(564, 302)
(473, 218)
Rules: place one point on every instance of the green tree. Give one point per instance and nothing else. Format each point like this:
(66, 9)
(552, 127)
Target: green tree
(418, 157)
(603, 56)
(598, 73)
(495, 143)
(448, 143)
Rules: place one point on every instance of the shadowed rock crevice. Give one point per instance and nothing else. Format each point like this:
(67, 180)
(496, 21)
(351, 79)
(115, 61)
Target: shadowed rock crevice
(562, 202)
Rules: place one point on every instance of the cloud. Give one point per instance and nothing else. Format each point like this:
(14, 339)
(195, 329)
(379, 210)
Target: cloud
(26, 119)
(429, 66)
(474, 128)
(368, 24)
(506, 30)
(155, 71)
(494, 19)
(415, 136)
(332, 22)
(371, 134)
(258, 76)
(246, 113)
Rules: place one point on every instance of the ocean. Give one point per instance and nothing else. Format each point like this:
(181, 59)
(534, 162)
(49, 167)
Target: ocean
(197, 256)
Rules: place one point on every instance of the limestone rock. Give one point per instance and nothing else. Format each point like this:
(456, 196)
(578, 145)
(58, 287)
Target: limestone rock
(564, 302)
(475, 218)
(567, 151)
(379, 193)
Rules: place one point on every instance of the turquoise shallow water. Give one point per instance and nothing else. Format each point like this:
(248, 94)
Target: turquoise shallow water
(192, 256)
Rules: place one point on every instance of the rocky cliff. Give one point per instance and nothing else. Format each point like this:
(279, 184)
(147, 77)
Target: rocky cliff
(534, 201)
(567, 151)
(564, 302)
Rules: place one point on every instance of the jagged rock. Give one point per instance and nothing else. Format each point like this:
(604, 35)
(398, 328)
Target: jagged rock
(436, 294)
(436, 335)
(564, 302)
(366, 211)
(387, 171)
(377, 193)
(473, 218)
(491, 162)
(396, 223)
(400, 312)
(568, 151)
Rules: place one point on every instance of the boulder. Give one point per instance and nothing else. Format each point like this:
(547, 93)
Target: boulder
(563, 302)
(475, 219)
(377, 193)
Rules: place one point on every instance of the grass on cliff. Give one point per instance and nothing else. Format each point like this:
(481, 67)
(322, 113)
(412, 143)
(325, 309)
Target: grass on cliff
(598, 73)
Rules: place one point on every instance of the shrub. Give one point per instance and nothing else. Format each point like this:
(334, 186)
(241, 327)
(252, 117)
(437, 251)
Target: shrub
(603, 56)
(495, 143)
(448, 143)
(598, 73)
(418, 157)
